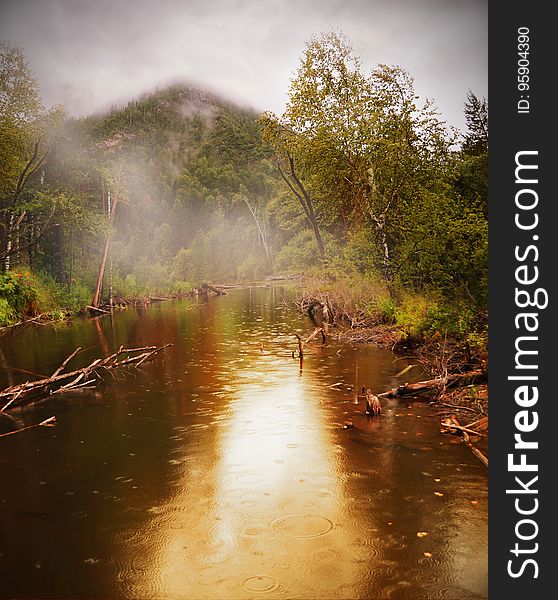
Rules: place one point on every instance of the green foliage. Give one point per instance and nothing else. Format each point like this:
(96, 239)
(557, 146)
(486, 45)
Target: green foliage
(476, 116)
(127, 287)
(478, 343)
(77, 297)
(182, 263)
(19, 95)
(181, 288)
(301, 252)
(25, 295)
(7, 313)
(365, 149)
(253, 267)
(52, 296)
(153, 276)
(422, 316)
(19, 292)
(26, 133)
(387, 309)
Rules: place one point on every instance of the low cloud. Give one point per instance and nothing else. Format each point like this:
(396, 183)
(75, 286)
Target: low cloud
(89, 55)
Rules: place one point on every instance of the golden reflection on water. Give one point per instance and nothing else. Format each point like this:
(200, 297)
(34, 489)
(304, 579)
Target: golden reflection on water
(271, 518)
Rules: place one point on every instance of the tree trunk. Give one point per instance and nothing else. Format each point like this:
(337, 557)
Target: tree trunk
(305, 200)
(262, 236)
(9, 243)
(99, 285)
(111, 208)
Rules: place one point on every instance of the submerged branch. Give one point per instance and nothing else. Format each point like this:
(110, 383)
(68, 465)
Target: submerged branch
(84, 378)
(50, 422)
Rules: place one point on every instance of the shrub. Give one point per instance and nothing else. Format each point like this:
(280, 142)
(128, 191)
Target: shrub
(7, 313)
(181, 287)
(19, 292)
(422, 316)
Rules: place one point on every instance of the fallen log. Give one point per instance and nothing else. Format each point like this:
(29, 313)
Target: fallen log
(435, 386)
(96, 309)
(60, 382)
(316, 331)
(216, 290)
(478, 454)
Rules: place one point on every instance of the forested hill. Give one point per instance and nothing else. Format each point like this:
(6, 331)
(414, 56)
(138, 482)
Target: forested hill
(184, 168)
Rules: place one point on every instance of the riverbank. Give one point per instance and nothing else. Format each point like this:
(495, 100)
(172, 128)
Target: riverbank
(441, 338)
(27, 297)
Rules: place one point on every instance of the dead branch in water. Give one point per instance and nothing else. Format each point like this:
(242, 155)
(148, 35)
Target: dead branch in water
(40, 319)
(302, 343)
(97, 310)
(435, 386)
(452, 425)
(60, 382)
(50, 422)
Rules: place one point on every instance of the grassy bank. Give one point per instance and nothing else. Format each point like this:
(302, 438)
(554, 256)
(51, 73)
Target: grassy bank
(447, 333)
(25, 295)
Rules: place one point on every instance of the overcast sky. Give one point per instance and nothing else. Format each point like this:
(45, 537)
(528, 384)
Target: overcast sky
(89, 54)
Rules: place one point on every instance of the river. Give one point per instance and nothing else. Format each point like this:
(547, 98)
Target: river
(222, 469)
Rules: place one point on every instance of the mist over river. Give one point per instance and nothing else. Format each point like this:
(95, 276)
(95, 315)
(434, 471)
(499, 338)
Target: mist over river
(222, 469)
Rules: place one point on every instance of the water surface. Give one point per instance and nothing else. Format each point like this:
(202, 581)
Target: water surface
(223, 470)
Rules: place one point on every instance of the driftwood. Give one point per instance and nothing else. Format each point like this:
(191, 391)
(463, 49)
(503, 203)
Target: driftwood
(207, 286)
(477, 452)
(86, 377)
(97, 310)
(316, 331)
(435, 386)
(452, 425)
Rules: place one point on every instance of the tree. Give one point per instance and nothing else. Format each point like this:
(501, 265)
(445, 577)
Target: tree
(19, 92)
(26, 129)
(358, 146)
(476, 117)
(111, 196)
(288, 146)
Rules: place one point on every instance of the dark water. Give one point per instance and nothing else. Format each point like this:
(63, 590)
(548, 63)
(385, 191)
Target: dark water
(223, 471)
